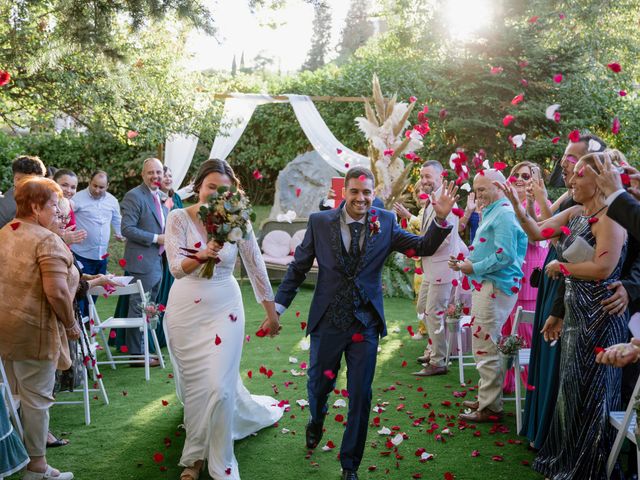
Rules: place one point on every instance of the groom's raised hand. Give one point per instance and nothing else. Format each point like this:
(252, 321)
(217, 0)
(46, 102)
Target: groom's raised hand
(446, 200)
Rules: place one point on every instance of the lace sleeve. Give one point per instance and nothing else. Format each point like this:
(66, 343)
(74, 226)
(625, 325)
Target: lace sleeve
(257, 270)
(176, 237)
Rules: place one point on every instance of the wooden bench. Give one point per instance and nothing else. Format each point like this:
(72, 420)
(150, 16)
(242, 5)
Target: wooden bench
(277, 271)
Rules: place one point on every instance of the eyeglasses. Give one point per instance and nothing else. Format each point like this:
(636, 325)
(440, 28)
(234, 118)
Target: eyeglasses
(524, 176)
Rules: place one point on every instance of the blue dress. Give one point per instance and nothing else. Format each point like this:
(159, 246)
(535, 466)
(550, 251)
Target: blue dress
(580, 436)
(544, 366)
(13, 456)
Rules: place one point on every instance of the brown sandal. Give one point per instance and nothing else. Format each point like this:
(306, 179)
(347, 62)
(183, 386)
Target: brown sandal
(193, 472)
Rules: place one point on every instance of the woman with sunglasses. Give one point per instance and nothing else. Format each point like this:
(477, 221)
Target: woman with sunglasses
(544, 365)
(523, 177)
(591, 251)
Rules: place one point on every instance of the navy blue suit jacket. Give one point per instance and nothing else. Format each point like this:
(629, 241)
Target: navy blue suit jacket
(323, 242)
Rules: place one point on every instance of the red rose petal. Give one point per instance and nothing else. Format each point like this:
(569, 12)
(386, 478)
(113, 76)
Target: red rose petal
(547, 232)
(458, 212)
(357, 338)
(564, 270)
(566, 230)
(261, 333)
(597, 350)
(329, 374)
(164, 403)
(339, 418)
(404, 363)
(140, 258)
(218, 340)
(103, 257)
(257, 175)
(555, 139)
(197, 245)
(507, 120)
(298, 190)
(124, 349)
(122, 262)
(574, 136)
(557, 78)
(517, 99)
(499, 165)
(593, 220)
(614, 67)
(615, 126)
(158, 457)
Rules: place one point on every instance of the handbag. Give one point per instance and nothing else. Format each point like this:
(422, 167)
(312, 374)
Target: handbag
(536, 276)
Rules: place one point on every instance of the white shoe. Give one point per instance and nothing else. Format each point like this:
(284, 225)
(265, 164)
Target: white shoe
(47, 475)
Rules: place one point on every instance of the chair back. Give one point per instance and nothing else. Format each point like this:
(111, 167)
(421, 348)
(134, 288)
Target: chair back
(521, 316)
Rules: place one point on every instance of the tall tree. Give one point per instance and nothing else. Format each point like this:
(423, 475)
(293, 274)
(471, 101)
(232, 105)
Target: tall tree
(357, 29)
(321, 37)
(234, 67)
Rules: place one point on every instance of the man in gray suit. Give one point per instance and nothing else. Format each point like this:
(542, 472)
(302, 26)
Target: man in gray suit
(143, 221)
(23, 166)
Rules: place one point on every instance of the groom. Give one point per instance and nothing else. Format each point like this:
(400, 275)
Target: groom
(351, 244)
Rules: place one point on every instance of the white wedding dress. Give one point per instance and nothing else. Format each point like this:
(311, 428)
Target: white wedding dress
(204, 327)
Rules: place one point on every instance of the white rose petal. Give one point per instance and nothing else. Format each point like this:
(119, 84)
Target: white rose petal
(296, 373)
(486, 165)
(302, 402)
(426, 456)
(551, 110)
(293, 360)
(285, 430)
(384, 431)
(395, 330)
(327, 448)
(304, 344)
(466, 187)
(397, 440)
(446, 431)
(518, 140)
(378, 409)
(451, 158)
(594, 146)
(339, 403)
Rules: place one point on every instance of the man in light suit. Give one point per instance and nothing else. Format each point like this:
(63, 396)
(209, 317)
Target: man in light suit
(437, 277)
(143, 220)
(351, 244)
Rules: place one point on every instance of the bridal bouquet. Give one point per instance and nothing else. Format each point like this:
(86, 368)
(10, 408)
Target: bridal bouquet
(226, 217)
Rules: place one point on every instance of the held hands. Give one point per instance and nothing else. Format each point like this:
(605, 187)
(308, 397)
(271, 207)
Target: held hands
(102, 280)
(401, 211)
(552, 329)
(621, 354)
(446, 200)
(271, 325)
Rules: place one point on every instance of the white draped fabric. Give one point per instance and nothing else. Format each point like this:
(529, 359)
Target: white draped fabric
(239, 108)
(178, 154)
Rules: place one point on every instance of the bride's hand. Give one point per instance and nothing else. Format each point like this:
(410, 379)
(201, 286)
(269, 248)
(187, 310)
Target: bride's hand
(271, 326)
(211, 250)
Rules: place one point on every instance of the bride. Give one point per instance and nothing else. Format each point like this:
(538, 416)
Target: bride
(204, 326)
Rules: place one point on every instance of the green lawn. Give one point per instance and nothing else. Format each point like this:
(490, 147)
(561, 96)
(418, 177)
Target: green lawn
(123, 437)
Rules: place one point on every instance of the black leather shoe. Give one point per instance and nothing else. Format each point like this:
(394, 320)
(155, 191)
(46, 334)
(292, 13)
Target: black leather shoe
(349, 475)
(314, 434)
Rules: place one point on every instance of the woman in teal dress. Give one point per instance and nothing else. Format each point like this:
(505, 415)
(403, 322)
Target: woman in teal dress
(13, 455)
(172, 201)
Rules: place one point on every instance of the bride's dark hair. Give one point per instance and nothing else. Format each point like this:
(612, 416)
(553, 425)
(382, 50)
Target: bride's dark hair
(214, 165)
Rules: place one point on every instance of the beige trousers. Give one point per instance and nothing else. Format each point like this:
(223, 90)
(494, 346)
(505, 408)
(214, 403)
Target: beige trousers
(490, 309)
(34, 380)
(433, 301)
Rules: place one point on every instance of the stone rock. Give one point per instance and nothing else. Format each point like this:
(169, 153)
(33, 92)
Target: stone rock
(312, 175)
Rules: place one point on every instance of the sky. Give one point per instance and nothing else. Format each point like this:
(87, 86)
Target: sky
(240, 30)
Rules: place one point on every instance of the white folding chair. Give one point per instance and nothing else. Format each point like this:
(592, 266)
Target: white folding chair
(87, 345)
(141, 323)
(625, 423)
(458, 326)
(519, 362)
(12, 401)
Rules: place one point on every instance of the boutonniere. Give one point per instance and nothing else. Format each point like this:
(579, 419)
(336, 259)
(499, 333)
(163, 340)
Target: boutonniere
(374, 223)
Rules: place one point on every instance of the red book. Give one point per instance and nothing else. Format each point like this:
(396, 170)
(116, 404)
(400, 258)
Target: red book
(337, 184)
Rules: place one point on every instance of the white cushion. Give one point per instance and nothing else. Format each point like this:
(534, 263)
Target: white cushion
(296, 239)
(276, 243)
(277, 260)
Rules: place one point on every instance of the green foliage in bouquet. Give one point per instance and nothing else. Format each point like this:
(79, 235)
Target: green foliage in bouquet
(395, 281)
(226, 218)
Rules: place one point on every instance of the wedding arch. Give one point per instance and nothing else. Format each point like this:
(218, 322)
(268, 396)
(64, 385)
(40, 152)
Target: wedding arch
(238, 110)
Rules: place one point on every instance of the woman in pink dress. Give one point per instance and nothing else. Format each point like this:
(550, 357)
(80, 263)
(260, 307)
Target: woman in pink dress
(528, 183)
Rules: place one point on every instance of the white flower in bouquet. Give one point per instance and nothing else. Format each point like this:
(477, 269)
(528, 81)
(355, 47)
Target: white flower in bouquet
(235, 234)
